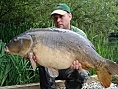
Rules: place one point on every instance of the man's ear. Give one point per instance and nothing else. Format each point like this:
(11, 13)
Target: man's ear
(70, 15)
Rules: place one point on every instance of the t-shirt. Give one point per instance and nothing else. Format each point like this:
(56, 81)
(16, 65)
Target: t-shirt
(79, 31)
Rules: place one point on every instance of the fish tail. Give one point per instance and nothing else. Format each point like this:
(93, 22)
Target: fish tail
(112, 67)
(104, 77)
(105, 73)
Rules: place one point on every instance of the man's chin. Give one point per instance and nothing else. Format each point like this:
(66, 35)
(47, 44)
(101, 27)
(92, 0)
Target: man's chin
(60, 27)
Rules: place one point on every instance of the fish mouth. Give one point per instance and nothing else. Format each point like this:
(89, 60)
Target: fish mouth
(6, 50)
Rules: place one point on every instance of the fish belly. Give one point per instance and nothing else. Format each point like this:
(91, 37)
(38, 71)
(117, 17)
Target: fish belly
(54, 58)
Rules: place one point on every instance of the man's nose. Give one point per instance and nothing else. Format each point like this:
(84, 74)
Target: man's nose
(58, 19)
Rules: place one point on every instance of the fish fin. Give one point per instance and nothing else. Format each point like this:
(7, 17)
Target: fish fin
(104, 77)
(53, 72)
(33, 63)
(112, 67)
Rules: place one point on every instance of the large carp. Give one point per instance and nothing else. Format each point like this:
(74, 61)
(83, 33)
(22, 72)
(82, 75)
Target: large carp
(57, 48)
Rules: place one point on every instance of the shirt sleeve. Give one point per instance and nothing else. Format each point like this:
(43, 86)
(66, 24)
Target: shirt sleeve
(79, 31)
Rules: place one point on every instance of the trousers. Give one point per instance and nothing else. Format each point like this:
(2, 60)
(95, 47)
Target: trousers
(73, 78)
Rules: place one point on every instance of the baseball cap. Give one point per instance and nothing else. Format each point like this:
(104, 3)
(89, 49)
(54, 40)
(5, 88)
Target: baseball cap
(61, 9)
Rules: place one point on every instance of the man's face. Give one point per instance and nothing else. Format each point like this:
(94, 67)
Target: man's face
(62, 21)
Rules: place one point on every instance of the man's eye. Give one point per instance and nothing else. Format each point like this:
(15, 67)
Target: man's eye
(61, 16)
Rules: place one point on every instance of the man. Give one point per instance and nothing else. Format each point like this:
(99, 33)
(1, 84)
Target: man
(75, 76)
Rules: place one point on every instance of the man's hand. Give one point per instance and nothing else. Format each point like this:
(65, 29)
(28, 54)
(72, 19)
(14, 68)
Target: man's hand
(76, 65)
(33, 56)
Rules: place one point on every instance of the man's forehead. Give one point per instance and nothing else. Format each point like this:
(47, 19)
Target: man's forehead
(56, 15)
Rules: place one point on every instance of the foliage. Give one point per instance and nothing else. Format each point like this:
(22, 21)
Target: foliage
(99, 13)
(97, 18)
(11, 29)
